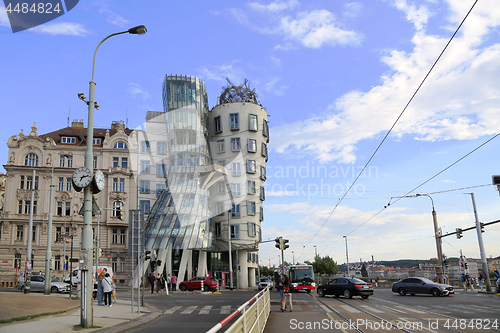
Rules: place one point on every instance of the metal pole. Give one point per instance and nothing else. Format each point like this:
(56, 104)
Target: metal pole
(132, 231)
(27, 277)
(347, 256)
(481, 245)
(48, 253)
(64, 251)
(139, 240)
(71, 268)
(229, 244)
(97, 248)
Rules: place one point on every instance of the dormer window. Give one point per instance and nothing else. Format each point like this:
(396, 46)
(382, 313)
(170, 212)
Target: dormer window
(97, 141)
(120, 145)
(68, 139)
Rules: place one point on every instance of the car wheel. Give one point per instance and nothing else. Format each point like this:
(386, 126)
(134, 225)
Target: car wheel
(54, 290)
(347, 293)
(309, 291)
(364, 296)
(401, 291)
(182, 287)
(321, 292)
(336, 296)
(22, 289)
(435, 292)
(206, 288)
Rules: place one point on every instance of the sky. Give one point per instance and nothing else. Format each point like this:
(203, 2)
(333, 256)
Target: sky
(334, 77)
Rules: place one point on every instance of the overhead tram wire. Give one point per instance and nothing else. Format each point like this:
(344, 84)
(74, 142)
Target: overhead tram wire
(393, 125)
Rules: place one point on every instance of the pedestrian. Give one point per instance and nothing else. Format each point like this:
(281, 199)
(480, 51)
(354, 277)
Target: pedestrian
(280, 289)
(100, 292)
(113, 291)
(162, 283)
(471, 281)
(158, 283)
(174, 283)
(151, 281)
(464, 283)
(287, 292)
(169, 283)
(107, 288)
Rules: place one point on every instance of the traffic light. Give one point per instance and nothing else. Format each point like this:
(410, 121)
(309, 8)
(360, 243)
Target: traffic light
(459, 233)
(285, 245)
(121, 213)
(158, 262)
(466, 266)
(278, 242)
(482, 227)
(100, 252)
(146, 255)
(153, 265)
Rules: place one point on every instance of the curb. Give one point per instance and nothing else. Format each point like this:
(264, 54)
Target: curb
(128, 326)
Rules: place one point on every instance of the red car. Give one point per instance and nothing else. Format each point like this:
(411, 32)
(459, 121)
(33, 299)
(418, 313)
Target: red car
(209, 284)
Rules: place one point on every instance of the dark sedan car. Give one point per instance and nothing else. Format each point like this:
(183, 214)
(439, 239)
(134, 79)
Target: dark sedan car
(346, 286)
(418, 285)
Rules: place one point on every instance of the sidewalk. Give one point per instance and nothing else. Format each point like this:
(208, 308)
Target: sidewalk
(106, 319)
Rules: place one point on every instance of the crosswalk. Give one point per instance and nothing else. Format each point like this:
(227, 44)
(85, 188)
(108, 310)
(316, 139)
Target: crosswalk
(202, 310)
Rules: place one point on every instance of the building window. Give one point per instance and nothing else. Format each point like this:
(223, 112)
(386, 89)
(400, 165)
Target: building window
(122, 235)
(236, 189)
(116, 162)
(63, 208)
(145, 206)
(118, 210)
(252, 146)
(235, 231)
(188, 200)
(31, 160)
(115, 184)
(235, 210)
(262, 172)
(19, 233)
(221, 162)
(145, 166)
(145, 147)
(262, 193)
(57, 263)
(250, 187)
(96, 141)
(94, 165)
(159, 188)
(251, 166)
(263, 149)
(161, 148)
(144, 186)
(124, 162)
(28, 180)
(122, 185)
(221, 187)
(120, 145)
(249, 255)
(265, 128)
(61, 184)
(218, 229)
(251, 229)
(220, 146)
(68, 139)
(17, 260)
(250, 207)
(234, 121)
(217, 124)
(33, 236)
(58, 234)
(253, 124)
(219, 208)
(69, 184)
(236, 169)
(114, 265)
(261, 214)
(161, 170)
(24, 207)
(122, 264)
(235, 144)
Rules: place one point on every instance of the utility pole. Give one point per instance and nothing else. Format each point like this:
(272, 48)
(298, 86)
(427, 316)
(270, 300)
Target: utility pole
(347, 256)
(481, 245)
(27, 275)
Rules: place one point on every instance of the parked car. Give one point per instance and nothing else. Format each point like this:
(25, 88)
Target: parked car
(419, 285)
(264, 283)
(209, 284)
(346, 286)
(38, 284)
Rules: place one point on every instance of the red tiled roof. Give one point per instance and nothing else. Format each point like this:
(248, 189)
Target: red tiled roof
(80, 133)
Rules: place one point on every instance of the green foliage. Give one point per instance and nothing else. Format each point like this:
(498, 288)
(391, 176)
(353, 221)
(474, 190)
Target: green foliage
(364, 272)
(266, 271)
(325, 265)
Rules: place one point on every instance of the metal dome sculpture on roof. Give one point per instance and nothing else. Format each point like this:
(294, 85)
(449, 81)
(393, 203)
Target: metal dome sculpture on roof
(241, 93)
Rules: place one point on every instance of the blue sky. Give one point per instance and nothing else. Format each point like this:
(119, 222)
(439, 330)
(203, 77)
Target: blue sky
(333, 75)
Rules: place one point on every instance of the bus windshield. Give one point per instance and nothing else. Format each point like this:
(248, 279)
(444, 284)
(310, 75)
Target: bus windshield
(301, 274)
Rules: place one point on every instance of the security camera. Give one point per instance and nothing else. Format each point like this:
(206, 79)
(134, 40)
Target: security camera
(81, 96)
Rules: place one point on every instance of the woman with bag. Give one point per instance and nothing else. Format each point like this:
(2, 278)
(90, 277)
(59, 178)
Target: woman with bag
(287, 292)
(107, 289)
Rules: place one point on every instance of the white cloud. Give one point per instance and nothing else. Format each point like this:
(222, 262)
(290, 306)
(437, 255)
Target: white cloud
(276, 6)
(418, 16)
(220, 72)
(113, 18)
(274, 87)
(353, 9)
(137, 92)
(459, 100)
(62, 28)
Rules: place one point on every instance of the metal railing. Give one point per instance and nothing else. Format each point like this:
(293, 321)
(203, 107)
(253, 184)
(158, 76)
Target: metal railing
(253, 317)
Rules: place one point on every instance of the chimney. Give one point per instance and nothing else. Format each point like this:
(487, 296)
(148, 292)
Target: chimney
(77, 123)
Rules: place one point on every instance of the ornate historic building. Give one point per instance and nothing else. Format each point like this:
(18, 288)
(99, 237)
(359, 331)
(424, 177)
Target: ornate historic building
(61, 152)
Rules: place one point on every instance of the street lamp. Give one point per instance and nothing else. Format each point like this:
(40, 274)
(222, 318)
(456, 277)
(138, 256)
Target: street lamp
(315, 252)
(347, 255)
(48, 254)
(86, 319)
(439, 272)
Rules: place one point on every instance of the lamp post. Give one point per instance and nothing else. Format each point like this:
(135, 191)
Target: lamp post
(293, 258)
(48, 254)
(86, 261)
(347, 256)
(439, 272)
(315, 252)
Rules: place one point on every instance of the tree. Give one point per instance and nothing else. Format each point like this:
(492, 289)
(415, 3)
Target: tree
(325, 265)
(364, 273)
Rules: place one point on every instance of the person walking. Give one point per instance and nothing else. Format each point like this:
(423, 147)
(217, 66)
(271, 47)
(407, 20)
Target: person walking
(169, 283)
(280, 288)
(174, 283)
(100, 277)
(151, 281)
(464, 283)
(107, 289)
(287, 292)
(113, 291)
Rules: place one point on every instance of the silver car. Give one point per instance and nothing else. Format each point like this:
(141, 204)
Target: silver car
(38, 284)
(264, 283)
